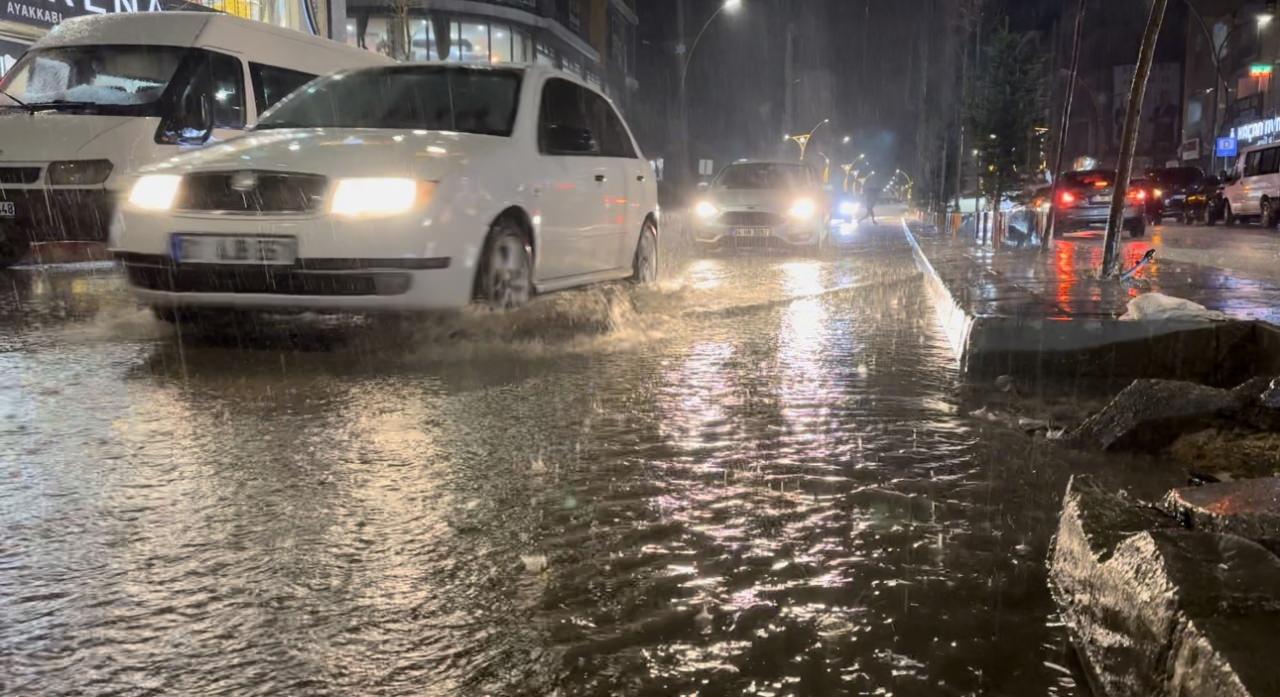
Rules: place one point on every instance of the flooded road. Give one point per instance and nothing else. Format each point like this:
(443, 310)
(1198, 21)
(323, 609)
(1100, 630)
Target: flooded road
(754, 479)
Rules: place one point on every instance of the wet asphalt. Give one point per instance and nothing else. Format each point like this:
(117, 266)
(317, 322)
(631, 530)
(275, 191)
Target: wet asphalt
(755, 478)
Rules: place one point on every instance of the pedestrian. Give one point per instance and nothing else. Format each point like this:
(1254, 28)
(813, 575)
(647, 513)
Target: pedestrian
(869, 202)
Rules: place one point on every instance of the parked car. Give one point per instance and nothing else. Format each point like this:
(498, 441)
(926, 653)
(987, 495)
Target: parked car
(1253, 187)
(1205, 203)
(411, 187)
(100, 96)
(1083, 202)
(1175, 184)
(763, 204)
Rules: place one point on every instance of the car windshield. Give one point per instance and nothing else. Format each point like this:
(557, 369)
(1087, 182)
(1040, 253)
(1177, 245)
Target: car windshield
(431, 98)
(109, 77)
(764, 176)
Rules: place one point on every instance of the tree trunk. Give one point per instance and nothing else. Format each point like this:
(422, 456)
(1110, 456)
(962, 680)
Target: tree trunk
(1129, 140)
(1065, 125)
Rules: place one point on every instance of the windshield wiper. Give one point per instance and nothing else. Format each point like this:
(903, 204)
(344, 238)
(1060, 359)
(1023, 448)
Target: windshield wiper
(19, 102)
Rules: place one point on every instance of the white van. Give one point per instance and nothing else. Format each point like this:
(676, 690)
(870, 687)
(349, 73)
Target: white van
(1253, 189)
(101, 96)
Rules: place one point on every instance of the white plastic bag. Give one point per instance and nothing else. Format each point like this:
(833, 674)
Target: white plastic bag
(1157, 306)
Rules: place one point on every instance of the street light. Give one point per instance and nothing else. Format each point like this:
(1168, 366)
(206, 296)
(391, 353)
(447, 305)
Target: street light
(847, 139)
(803, 140)
(728, 5)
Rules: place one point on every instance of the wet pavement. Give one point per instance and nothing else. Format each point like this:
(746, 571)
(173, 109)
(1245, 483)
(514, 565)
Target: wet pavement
(756, 478)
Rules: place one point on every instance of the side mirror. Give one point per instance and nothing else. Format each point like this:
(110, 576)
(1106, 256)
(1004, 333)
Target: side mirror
(191, 124)
(569, 140)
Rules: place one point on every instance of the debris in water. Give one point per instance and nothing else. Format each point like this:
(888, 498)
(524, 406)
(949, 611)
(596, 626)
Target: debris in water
(534, 563)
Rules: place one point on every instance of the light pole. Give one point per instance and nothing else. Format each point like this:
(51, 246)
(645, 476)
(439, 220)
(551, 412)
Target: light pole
(803, 140)
(731, 6)
(911, 184)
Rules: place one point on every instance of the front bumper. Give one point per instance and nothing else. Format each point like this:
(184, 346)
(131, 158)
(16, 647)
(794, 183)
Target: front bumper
(55, 215)
(777, 235)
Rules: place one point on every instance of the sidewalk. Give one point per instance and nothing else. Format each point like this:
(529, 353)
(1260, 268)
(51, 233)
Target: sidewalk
(1019, 311)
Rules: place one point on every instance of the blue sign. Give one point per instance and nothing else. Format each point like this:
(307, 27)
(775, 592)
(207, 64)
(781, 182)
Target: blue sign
(1227, 147)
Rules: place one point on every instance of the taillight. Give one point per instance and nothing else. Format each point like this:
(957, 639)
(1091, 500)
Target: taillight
(1138, 195)
(1066, 198)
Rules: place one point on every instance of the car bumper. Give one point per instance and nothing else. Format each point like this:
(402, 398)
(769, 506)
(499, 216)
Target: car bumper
(788, 235)
(54, 215)
(1097, 217)
(372, 266)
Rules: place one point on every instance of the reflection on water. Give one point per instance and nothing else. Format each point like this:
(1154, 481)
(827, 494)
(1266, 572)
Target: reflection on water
(760, 485)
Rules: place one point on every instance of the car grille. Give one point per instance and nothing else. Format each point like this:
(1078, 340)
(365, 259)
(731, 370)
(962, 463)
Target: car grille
(275, 192)
(266, 281)
(19, 175)
(750, 219)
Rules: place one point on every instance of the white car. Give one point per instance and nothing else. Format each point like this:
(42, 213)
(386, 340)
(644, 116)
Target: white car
(763, 204)
(402, 188)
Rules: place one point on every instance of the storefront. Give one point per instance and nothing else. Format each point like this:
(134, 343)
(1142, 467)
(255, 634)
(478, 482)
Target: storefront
(508, 35)
(22, 22)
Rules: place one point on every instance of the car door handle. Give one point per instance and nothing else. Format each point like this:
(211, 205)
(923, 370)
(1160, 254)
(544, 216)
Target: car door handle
(601, 178)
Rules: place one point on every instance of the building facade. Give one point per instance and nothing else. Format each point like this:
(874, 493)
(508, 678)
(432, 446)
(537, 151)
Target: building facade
(594, 39)
(1233, 96)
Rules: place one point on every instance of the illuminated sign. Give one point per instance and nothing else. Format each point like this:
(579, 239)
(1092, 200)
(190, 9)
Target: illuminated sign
(1260, 70)
(47, 13)
(1257, 130)
(1227, 147)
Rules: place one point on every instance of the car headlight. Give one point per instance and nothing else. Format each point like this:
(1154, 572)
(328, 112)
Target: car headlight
(848, 208)
(706, 210)
(155, 192)
(369, 197)
(803, 209)
(78, 172)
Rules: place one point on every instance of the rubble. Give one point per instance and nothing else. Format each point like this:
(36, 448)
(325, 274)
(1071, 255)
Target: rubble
(1149, 415)
(1249, 508)
(1158, 610)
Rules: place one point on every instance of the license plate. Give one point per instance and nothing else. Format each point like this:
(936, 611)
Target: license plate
(752, 232)
(1102, 199)
(8, 210)
(234, 249)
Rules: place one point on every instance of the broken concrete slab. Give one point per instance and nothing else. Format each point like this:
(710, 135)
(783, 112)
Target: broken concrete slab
(1249, 508)
(1151, 414)
(1157, 610)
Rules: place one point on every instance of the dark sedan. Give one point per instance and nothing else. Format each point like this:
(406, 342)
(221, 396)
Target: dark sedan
(1083, 202)
(1176, 184)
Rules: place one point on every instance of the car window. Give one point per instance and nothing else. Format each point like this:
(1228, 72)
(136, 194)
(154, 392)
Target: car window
(1251, 162)
(271, 84)
(1269, 163)
(1096, 179)
(614, 141)
(228, 91)
(566, 106)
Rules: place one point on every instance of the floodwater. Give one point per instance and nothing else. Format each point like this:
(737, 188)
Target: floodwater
(756, 478)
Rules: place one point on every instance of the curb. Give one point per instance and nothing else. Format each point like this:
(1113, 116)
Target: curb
(1097, 348)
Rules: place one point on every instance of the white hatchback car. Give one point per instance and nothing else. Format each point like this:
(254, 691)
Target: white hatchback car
(401, 188)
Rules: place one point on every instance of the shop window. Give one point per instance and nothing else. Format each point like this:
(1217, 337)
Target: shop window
(422, 39)
(500, 43)
(474, 43)
(520, 47)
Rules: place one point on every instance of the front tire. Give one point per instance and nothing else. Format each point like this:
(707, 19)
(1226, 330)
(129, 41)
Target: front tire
(1268, 217)
(1138, 229)
(644, 266)
(505, 278)
(1229, 216)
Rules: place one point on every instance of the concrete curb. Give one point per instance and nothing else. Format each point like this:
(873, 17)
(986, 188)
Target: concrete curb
(1097, 348)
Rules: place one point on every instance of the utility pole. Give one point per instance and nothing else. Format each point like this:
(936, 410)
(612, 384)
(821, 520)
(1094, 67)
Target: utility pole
(789, 76)
(682, 147)
(1129, 139)
(1065, 125)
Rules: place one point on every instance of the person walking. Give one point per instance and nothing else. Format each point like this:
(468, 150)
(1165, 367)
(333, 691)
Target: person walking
(869, 202)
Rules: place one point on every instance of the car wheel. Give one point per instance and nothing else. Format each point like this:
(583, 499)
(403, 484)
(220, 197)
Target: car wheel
(505, 278)
(1228, 215)
(1138, 229)
(644, 266)
(12, 249)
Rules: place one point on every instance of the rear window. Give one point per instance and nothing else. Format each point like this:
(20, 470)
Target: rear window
(1179, 176)
(432, 98)
(764, 176)
(1092, 179)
